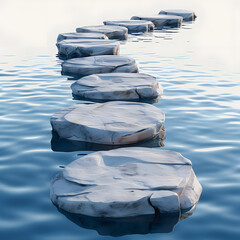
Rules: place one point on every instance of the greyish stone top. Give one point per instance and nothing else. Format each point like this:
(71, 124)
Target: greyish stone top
(99, 64)
(127, 182)
(74, 35)
(117, 86)
(111, 123)
(186, 14)
(112, 32)
(133, 25)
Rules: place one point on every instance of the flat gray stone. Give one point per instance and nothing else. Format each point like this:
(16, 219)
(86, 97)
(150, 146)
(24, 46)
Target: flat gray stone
(117, 86)
(74, 35)
(161, 20)
(126, 182)
(112, 32)
(133, 25)
(111, 123)
(73, 48)
(186, 14)
(99, 64)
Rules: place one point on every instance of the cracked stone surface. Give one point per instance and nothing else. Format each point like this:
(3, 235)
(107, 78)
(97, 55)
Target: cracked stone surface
(133, 25)
(111, 123)
(117, 86)
(127, 182)
(112, 32)
(99, 64)
(186, 14)
(74, 35)
(161, 20)
(73, 48)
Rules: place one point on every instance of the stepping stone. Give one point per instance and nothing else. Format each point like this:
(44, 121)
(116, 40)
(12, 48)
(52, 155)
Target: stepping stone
(99, 64)
(111, 123)
(127, 182)
(72, 48)
(187, 15)
(133, 25)
(161, 20)
(63, 36)
(117, 86)
(112, 32)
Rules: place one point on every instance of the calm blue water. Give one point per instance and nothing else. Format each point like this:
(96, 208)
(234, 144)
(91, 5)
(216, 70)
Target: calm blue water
(199, 69)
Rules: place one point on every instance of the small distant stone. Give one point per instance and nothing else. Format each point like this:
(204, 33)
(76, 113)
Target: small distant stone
(74, 35)
(110, 123)
(161, 20)
(186, 14)
(117, 86)
(133, 26)
(73, 48)
(127, 182)
(99, 64)
(112, 32)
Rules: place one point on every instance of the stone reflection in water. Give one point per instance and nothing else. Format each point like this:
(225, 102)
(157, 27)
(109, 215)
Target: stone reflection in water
(116, 227)
(62, 145)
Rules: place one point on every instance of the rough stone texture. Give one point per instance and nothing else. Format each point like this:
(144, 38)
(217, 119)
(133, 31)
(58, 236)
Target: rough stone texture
(72, 48)
(112, 32)
(111, 123)
(161, 20)
(74, 35)
(117, 86)
(133, 25)
(126, 182)
(99, 64)
(187, 15)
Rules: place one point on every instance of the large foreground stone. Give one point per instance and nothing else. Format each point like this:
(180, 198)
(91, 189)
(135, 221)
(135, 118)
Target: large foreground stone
(112, 32)
(127, 182)
(162, 20)
(133, 25)
(74, 35)
(117, 86)
(187, 15)
(112, 123)
(99, 64)
(73, 48)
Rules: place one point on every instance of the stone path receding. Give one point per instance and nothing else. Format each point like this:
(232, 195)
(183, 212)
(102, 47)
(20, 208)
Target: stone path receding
(111, 123)
(133, 26)
(127, 182)
(117, 86)
(72, 48)
(161, 20)
(186, 14)
(74, 35)
(99, 64)
(112, 32)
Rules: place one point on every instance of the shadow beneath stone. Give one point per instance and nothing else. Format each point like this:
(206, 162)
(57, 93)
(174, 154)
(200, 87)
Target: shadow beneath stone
(63, 145)
(116, 227)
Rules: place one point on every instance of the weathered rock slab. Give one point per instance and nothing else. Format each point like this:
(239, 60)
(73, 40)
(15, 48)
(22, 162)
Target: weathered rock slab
(133, 26)
(117, 86)
(73, 48)
(112, 32)
(126, 182)
(161, 20)
(186, 14)
(99, 64)
(111, 123)
(74, 35)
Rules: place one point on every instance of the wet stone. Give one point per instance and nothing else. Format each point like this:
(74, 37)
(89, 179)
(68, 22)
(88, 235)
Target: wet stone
(127, 182)
(117, 86)
(112, 32)
(73, 48)
(186, 14)
(99, 64)
(111, 123)
(133, 26)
